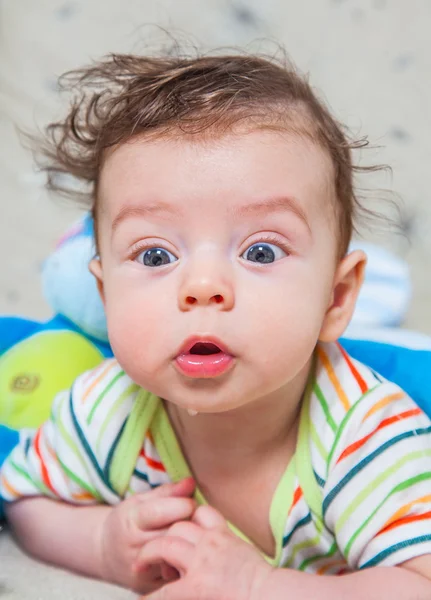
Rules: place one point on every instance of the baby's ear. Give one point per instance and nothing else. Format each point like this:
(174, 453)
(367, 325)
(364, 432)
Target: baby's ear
(347, 284)
(95, 268)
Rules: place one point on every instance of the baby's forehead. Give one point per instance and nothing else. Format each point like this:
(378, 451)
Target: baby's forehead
(252, 151)
(244, 167)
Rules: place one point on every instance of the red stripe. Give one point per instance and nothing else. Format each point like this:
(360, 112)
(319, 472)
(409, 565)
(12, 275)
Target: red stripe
(353, 447)
(406, 520)
(296, 496)
(355, 372)
(45, 476)
(154, 464)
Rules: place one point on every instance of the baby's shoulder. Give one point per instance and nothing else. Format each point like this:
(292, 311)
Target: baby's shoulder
(348, 397)
(104, 390)
(346, 388)
(101, 402)
(354, 407)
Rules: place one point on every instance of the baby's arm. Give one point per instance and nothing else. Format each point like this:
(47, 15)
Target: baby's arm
(102, 541)
(60, 534)
(377, 583)
(56, 484)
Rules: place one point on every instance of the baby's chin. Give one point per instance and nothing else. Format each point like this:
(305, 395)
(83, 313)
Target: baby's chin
(208, 403)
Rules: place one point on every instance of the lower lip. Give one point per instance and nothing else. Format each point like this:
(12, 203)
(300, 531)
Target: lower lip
(204, 366)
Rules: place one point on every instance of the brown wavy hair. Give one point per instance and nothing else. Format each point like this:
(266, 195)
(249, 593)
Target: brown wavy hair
(123, 96)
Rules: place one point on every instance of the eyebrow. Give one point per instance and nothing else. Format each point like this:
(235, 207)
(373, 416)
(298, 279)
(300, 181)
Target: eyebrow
(277, 204)
(145, 210)
(262, 208)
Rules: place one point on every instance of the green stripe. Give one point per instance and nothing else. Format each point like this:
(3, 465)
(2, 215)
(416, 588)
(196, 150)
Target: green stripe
(370, 488)
(398, 488)
(88, 488)
(121, 460)
(318, 442)
(102, 395)
(302, 457)
(325, 407)
(114, 408)
(301, 546)
(72, 446)
(309, 561)
(344, 424)
(329, 498)
(86, 446)
(66, 437)
(39, 485)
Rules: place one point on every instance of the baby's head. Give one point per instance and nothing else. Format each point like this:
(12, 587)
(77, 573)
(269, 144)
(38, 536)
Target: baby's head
(222, 193)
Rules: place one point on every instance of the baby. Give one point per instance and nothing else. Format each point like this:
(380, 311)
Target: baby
(231, 434)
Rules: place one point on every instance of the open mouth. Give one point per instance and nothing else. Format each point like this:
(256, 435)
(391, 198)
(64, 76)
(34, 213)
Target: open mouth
(204, 349)
(204, 358)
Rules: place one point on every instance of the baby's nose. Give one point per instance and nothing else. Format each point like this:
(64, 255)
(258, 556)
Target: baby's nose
(205, 289)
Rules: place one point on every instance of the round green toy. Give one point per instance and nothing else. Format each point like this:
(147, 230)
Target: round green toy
(33, 371)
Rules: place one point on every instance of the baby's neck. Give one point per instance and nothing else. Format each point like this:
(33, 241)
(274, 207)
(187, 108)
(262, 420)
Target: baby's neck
(240, 438)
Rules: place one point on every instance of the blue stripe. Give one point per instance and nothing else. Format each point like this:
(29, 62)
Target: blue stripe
(27, 446)
(361, 465)
(144, 477)
(86, 446)
(112, 450)
(319, 480)
(376, 375)
(400, 546)
(299, 524)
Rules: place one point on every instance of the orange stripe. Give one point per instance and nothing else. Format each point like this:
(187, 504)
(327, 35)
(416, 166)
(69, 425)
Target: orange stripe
(45, 475)
(52, 453)
(154, 464)
(355, 372)
(353, 447)
(82, 496)
(405, 520)
(296, 496)
(329, 565)
(97, 380)
(333, 378)
(383, 402)
(9, 487)
(405, 509)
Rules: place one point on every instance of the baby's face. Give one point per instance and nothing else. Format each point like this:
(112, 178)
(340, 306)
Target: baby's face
(218, 261)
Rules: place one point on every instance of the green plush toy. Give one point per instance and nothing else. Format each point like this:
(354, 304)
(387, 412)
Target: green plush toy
(40, 359)
(33, 371)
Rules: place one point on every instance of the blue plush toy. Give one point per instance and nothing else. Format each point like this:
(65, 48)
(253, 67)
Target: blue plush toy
(37, 360)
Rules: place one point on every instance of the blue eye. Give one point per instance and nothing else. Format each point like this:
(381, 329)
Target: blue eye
(156, 257)
(263, 253)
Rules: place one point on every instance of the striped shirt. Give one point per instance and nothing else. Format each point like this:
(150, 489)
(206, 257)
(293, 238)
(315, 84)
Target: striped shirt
(356, 494)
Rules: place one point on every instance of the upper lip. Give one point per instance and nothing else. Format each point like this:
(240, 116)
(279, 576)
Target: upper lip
(204, 339)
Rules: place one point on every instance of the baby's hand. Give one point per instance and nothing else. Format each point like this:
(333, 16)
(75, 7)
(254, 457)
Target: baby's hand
(211, 563)
(132, 524)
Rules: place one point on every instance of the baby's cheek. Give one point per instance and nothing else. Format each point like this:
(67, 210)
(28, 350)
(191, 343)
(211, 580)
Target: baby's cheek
(139, 336)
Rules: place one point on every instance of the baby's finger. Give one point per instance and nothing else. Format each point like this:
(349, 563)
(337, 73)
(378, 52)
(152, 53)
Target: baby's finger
(174, 551)
(209, 518)
(177, 590)
(168, 573)
(183, 488)
(163, 512)
(186, 530)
